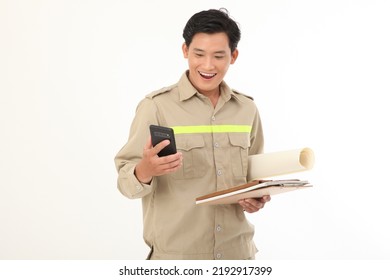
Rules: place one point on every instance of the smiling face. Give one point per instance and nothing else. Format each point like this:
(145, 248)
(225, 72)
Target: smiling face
(209, 57)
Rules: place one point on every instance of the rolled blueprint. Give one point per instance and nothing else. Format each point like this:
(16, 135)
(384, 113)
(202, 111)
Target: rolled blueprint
(266, 165)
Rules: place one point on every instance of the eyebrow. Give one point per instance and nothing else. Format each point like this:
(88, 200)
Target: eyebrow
(217, 52)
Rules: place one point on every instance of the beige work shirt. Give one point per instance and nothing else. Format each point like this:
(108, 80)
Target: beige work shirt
(215, 143)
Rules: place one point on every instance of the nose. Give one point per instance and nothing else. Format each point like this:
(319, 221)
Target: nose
(208, 63)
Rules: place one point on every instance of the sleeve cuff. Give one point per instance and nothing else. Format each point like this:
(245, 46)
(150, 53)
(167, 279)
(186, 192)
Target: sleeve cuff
(130, 186)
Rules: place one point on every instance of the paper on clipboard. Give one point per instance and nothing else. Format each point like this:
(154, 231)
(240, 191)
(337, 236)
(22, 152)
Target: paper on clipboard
(267, 165)
(260, 167)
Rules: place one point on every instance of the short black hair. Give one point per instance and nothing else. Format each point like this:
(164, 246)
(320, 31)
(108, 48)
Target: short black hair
(212, 21)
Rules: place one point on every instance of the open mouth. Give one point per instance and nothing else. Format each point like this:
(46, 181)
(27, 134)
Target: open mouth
(207, 76)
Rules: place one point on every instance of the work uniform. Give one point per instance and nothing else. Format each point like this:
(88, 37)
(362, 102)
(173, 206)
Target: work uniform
(215, 143)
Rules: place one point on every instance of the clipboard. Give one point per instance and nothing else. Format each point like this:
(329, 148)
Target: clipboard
(253, 189)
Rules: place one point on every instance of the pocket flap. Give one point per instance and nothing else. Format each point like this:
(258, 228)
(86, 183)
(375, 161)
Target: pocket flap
(189, 142)
(239, 139)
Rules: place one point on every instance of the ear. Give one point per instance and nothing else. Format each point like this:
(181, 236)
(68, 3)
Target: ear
(185, 50)
(234, 56)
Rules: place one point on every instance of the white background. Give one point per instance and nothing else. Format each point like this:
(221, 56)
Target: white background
(72, 72)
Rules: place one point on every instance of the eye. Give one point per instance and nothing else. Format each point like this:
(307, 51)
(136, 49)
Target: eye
(198, 54)
(219, 56)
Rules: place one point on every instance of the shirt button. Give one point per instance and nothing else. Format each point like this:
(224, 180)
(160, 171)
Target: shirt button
(218, 256)
(219, 172)
(213, 118)
(219, 228)
(216, 145)
(138, 188)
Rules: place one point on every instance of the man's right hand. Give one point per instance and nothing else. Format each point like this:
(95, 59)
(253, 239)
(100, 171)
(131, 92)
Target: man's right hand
(152, 165)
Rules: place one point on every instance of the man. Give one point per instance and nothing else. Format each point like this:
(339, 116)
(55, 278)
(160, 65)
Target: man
(216, 129)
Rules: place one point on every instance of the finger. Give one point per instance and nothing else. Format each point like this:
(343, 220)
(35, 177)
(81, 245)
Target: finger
(160, 146)
(172, 161)
(171, 158)
(252, 208)
(251, 205)
(265, 198)
(246, 206)
(171, 167)
(254, 203)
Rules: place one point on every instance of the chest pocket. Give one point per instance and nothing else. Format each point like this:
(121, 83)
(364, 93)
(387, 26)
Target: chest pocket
(239, 143)
(194, 156)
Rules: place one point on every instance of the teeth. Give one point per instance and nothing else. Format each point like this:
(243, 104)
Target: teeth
(207, 74)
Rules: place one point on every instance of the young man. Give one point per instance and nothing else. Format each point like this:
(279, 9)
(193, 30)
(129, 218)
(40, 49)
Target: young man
(216, 128)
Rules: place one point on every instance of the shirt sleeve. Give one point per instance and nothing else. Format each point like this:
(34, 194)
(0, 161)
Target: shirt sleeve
(257, 138)
(131, 153)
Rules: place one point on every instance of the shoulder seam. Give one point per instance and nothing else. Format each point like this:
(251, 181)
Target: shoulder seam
(160, 91)
(240, 93)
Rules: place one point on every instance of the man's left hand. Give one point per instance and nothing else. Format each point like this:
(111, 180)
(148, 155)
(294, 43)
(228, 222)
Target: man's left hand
(252, 205)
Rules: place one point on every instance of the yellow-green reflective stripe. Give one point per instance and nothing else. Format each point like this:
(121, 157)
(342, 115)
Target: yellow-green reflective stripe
(211, 129)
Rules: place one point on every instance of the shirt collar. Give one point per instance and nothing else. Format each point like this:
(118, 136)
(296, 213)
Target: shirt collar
(187, 90)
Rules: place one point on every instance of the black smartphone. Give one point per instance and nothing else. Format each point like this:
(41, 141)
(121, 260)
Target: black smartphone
(160, 133)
